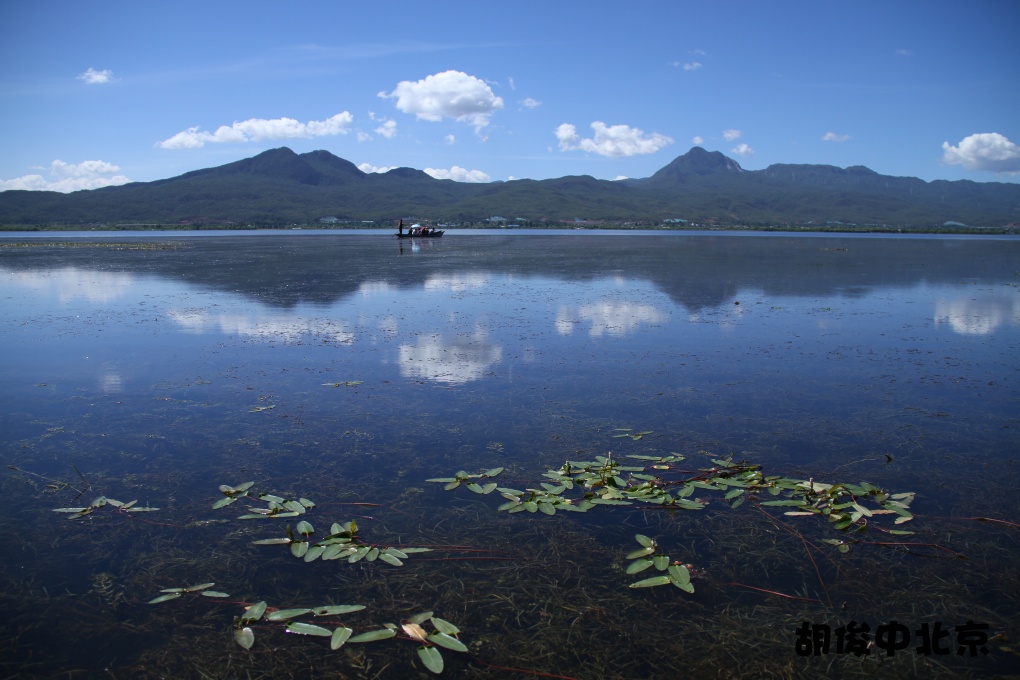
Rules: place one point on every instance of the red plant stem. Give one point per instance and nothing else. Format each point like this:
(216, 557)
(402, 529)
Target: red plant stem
(990, 519)
(773, 592)
(807, 549)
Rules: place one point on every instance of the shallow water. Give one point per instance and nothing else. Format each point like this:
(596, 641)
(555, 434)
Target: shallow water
(349, 368)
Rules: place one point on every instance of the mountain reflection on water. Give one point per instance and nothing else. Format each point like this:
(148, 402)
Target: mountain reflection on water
(349, 368)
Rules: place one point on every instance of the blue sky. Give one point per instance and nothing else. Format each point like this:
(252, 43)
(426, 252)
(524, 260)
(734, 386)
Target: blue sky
(108, 92)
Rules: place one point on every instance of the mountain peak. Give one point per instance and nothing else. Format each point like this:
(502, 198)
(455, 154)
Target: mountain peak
(697, 161)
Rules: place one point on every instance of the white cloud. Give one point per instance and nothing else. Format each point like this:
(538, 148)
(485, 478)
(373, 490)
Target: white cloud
(688, 65)
(67, 177)
(614, 140)
(742, 150)
(258, 129)
(450, 139)
(387, 129)
(903, 53)
(531, 103)
(368, 167)
(94, 77)
(987, 151)
(833, 137)
(457, 174)
(450, 94)
(697, 140)
(731, 134)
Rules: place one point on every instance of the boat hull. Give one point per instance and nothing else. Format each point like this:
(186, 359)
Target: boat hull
(434, 234)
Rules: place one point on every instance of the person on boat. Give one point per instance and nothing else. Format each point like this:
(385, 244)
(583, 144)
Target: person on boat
(400, 228)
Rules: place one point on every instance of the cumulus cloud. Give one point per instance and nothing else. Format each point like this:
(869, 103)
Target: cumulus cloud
(987, 151)
(450, 94)
(731, 134)
(531, 103)
(457, 174)
(368, 167)
(94, 77)
(450, 139)
(258, 129)
(688, 65)
(66, 177)
(387, 129)
(742, 150)
(697, 140)
(611, 140)
(833, 137)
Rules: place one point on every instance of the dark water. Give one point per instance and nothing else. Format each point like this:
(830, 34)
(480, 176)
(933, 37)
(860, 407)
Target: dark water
(349, 368)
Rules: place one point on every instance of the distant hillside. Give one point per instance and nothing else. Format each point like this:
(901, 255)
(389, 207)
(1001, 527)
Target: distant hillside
(280, 187)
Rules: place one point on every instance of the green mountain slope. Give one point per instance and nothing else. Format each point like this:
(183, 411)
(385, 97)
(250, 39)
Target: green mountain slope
(280, 187)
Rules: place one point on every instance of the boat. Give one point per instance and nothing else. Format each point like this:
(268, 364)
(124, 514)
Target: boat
(418, 231)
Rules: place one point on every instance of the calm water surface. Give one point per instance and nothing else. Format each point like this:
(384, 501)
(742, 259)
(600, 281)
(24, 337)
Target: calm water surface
(348, 368)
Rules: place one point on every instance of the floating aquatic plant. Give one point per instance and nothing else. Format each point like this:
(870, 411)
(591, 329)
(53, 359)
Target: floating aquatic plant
(649, 556)
(341, 543)
(104, 502)
(579, 486)
(296, 621)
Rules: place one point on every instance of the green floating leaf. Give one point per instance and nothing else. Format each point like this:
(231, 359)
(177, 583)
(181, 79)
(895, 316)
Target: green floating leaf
(69, 509)
(444, 626)
(645, 540)
(284, 614)
(299, 548)
(164, 598)
(432, 659)
(339, 637)
(643, 552)
(390, 559)
(679, 575)
(244, 637)
(448, 641)
(420, 617)
(649, 582)
(308, 629)
(304, 527)
(272, 541)
(223, 502)
(200, 586)
(254, 612)
(373, 635)
(214, 593)
(639, 565)
(334, 609)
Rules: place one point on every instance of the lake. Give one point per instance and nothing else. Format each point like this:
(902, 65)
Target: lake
(601, 409)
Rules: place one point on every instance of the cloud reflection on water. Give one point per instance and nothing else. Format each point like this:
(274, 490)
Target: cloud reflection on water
(608, 318)
(264, 325)
(454, 361)
(977, 316)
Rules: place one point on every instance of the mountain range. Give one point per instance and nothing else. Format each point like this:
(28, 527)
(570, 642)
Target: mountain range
(280, 187)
